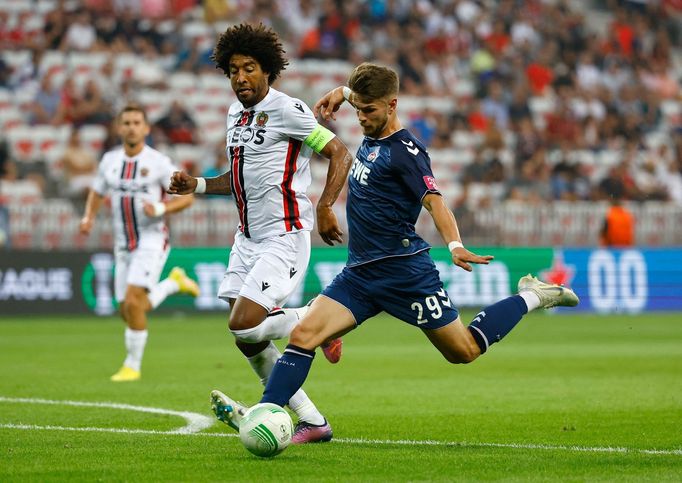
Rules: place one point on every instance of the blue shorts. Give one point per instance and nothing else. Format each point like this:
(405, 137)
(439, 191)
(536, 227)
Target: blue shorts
(408, 288)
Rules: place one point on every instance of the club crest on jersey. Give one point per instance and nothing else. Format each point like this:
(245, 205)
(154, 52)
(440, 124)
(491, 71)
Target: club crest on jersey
(373, 155)
(430, 183)
(144, 172)
(261, 119)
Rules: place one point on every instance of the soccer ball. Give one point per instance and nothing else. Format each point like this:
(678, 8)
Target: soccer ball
(266, 430)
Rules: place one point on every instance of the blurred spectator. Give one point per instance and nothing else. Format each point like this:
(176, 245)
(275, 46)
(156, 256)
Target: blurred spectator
(46, 103)
(618, 229)
(424, 125)
(563, 128)
(518, 106)
(216, 10)
(177, 126)
(5, 74)
(90, 107)
(79, 167)
(55, 27)
(660, 80)
(531, 184)
(67, 102)
(81, 34)
(494, 106)
(539, 73)
(614, 77)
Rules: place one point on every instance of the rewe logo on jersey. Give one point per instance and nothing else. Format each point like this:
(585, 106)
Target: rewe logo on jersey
(360, 172)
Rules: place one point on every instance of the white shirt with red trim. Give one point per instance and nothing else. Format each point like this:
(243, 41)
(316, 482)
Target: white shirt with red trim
(130, 181)
(270, 165)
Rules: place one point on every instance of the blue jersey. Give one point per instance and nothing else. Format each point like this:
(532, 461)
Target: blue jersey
(388, 180)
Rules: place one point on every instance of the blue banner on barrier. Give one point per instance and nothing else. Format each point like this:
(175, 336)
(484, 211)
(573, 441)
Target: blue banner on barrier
(627, 281)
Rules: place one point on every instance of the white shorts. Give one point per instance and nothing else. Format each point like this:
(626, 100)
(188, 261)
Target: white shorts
(267, 271)
(141, 267)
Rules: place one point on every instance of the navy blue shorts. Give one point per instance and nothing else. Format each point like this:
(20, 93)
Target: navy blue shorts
(408, 288)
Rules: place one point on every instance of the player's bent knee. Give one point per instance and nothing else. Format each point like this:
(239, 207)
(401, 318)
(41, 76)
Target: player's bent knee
(239, 321)
(463, 355)
(250, 336)
(133, 304)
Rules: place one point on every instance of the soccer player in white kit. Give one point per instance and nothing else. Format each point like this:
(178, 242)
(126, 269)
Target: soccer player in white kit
(136, 178)
(270, 139)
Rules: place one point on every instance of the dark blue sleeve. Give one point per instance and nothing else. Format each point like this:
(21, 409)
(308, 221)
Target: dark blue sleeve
(414, 168)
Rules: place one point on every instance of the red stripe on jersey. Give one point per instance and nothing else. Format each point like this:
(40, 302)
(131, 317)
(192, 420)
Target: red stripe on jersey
(291, 214)
(128, 208)
(237, 179)
(129, 221)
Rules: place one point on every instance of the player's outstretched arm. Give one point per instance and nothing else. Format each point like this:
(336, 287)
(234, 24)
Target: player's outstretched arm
(92, 206)
(447, 227)
(327, 106)
(340, 161)
(173, 205)
(183, 184)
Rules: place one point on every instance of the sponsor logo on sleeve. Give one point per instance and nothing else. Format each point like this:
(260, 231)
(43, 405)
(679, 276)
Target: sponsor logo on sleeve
(430, 183)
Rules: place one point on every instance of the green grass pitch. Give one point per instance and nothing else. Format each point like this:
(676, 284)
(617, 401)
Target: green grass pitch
(564, 397)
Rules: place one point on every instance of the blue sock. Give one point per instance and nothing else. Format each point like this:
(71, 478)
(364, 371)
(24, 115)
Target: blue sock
(497, 320)
(288, 375)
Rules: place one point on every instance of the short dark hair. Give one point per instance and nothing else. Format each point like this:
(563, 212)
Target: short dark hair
(259, 42)
(372, 81)
(133, 107)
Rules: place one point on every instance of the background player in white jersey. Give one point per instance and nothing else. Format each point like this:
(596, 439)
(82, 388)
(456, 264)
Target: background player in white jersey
(270, 139)
(137, 177)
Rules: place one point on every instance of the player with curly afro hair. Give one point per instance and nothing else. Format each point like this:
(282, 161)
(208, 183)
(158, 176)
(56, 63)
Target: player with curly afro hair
(270, 138)
(259, 42)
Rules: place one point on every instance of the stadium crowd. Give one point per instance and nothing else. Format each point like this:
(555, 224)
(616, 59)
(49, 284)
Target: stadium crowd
(517, 100)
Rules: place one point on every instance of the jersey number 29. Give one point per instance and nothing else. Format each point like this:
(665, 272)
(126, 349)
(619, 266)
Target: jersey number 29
(433, 304)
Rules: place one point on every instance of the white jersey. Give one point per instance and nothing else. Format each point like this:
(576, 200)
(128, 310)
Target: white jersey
(130, 181)
(270, 165)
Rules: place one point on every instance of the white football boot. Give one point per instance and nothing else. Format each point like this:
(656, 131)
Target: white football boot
(227, 410)
(550, 295)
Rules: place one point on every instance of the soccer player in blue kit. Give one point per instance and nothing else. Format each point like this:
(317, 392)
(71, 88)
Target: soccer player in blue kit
(389, 268)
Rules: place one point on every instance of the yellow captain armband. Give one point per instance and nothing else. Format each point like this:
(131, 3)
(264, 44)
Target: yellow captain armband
(319, 138)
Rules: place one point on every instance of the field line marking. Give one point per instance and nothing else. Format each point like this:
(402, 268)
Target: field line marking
(198, 422)
(460, 444)
(195, 422)
(473, 444)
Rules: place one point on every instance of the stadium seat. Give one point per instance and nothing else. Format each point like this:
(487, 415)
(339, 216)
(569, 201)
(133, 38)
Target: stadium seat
(188, 154)
(155, 102)
(672, 112)
(10, 117)
(92, 137)
(183, 83)
(124, 65)
(86, 62)
(52, 62)
(21, 143)
(16, 58)
(215, 84)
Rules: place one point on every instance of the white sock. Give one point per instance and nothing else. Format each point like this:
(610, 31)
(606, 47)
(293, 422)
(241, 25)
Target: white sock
(262, 364)
(532, 300)
(135, 342)
(162, 290)
(275, 326)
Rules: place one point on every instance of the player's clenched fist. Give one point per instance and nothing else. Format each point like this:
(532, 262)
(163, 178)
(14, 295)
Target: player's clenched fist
(85, 225)
(182, 183)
